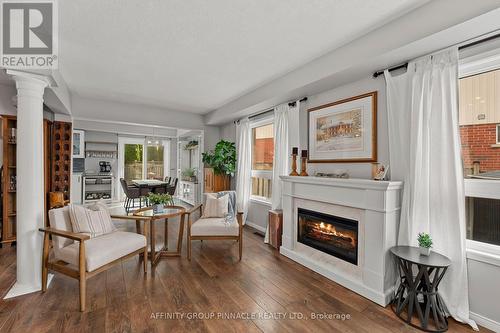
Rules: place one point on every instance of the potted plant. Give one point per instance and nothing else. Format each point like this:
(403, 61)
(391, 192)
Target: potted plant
(189, 174)
(159, 200)
(424, 243)
(222, 159)
(220, 166)
(191, 145)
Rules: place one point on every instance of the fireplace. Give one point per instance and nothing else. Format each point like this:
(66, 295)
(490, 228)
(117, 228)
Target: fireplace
(331, 234)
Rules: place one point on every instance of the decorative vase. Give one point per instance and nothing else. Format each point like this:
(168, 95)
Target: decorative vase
(424, 251)
(157, 208)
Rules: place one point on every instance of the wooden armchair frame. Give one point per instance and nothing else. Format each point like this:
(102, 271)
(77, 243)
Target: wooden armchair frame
(238, 238)
(81, 273)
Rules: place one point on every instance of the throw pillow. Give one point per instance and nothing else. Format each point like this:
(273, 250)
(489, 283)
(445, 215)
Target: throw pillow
(94, 221)
(216, 207)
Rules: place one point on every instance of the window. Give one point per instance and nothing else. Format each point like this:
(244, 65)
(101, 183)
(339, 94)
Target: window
(498, 134)
(479, 118)
(262, 160)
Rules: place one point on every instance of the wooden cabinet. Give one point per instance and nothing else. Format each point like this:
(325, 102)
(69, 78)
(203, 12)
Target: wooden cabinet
(275, 228)
(9, 136)
(57, 168)
(215, 182)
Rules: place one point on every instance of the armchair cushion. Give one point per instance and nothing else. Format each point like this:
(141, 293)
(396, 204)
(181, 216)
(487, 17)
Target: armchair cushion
(216, 206)
(94, 220)
(231, 207)
(102, 250)
(214, 227)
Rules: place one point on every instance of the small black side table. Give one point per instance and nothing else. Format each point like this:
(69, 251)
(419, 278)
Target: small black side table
(429, 273)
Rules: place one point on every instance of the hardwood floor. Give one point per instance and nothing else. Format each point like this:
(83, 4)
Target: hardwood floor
(122, 299)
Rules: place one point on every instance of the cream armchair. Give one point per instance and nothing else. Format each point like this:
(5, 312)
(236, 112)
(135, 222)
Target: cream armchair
(216, 228)
(81, 257)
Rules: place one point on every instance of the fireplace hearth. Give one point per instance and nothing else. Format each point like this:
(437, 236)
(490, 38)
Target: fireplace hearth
(331, 234)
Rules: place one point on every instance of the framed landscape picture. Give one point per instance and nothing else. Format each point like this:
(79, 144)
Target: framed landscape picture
(344, 131)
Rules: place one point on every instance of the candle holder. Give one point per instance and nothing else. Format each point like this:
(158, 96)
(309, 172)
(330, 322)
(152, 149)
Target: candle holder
(295, 152)
(294, 166)
(303, 164)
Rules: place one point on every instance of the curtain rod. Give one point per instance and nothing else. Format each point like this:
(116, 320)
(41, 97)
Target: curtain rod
(291, 104)
(474, 43)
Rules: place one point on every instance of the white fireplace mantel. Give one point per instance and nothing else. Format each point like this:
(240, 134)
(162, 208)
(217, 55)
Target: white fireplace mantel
(374, 204)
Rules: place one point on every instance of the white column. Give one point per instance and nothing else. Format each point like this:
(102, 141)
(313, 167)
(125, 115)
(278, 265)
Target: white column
(30, 180)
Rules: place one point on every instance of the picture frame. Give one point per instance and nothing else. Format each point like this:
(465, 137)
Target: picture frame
(344, 131)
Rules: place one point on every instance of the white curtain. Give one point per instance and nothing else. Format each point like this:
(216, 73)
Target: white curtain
(281, 152)
(244, 172)
(425, 153)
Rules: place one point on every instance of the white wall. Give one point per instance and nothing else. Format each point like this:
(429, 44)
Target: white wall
(228, 132)
(86, 108)
(6, 93)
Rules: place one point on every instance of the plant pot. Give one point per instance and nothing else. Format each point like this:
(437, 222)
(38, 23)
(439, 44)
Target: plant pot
(157, 208)
(424, 251)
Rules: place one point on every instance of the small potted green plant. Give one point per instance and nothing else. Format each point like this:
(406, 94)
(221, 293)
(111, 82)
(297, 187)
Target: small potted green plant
(424, 243)
(159, 200)
(189, 174)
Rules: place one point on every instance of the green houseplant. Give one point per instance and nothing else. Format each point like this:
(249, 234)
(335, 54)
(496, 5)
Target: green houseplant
(159, 200)
(424, 243)
(189, 174)
(222, 159)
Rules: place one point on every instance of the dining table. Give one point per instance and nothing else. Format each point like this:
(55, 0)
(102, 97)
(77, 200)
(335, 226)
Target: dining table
(152, 185)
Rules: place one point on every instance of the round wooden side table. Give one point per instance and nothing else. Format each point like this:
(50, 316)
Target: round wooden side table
(419, 292)
(165, 214)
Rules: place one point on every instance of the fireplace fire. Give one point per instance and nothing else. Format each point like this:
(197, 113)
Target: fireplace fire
(331, 234)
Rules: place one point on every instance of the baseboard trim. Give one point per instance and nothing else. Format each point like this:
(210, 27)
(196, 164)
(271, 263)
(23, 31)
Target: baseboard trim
(255, 226)
(485, 322)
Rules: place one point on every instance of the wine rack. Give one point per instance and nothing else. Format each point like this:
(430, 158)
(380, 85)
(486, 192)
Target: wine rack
(61, 158)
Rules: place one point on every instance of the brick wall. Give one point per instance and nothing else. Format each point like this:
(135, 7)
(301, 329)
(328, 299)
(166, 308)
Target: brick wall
(477, 141)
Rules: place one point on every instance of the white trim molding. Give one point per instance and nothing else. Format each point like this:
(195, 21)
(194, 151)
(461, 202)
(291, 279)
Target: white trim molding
(255, 226)
(485, 322)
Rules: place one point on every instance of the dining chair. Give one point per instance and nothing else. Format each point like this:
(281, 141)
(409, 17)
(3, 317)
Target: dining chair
(173, 185)
(132, 193)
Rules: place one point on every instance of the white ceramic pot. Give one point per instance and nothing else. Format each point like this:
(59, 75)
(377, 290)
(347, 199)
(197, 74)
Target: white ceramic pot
(157, 208)
(425, 251)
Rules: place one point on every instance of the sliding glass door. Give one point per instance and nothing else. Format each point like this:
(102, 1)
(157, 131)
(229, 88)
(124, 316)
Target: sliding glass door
(133, 161)
(155, 161)
(142, 158)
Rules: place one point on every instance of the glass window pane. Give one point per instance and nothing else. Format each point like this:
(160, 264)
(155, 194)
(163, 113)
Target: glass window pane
(133, 161)
(483, 220)
(479, 115)
(263, 147)
(154, 164)
(262, 187)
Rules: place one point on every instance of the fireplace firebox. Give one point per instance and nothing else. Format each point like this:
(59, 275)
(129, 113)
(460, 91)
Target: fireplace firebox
(331, 234)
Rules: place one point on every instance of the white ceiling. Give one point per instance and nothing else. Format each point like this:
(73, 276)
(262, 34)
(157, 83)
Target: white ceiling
(199, 55)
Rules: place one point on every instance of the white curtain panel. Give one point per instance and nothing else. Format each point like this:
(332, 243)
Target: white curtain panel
(281, 152)
(244, 167)
(425, 153)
